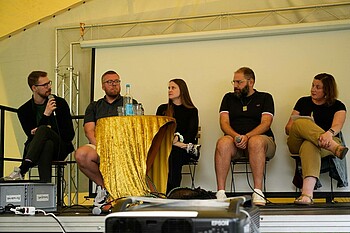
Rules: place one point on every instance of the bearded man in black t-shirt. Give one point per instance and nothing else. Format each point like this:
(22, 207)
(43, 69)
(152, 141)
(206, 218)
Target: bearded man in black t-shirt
(245, 118)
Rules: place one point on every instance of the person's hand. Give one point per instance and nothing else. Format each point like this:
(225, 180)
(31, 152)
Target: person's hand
(241, 141)
(50, 107)
(32, 132)
(324, 141)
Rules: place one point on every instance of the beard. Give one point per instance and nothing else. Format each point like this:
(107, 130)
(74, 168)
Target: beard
(243, 92)
(112, 95)
(46, 94)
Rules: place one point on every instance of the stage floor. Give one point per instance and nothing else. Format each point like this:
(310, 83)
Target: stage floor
(323, 217)
(320, 217)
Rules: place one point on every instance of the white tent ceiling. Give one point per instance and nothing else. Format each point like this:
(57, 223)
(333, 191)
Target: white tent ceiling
(18, 15)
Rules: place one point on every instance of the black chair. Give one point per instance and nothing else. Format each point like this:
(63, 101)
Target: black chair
(191, 166)
(192, 163)
(243, 161)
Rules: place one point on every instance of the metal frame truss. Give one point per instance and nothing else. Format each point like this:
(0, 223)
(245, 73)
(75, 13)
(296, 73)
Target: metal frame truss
(69, 62)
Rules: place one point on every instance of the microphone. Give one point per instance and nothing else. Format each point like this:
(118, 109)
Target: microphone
(50, 97)
(238, 139)
(101, 210)
(96, 211)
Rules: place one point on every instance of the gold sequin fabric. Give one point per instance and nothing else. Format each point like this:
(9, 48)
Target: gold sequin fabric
(131, 147)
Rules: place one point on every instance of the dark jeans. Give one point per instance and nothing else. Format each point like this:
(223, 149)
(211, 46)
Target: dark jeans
(45, 147)
(178, 157)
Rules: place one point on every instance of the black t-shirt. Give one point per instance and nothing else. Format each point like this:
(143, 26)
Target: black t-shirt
(186, 121)
(322, 114)
(245, 113)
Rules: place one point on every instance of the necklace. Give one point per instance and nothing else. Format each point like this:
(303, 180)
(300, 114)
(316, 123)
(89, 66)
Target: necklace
(245, 106)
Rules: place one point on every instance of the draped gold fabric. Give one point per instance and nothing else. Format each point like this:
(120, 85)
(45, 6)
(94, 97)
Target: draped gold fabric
(130, 147)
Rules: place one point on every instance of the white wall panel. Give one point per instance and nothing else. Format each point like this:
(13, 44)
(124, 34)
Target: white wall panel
(284, 66)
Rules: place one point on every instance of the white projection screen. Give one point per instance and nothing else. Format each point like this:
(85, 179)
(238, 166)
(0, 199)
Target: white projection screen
(284, 66)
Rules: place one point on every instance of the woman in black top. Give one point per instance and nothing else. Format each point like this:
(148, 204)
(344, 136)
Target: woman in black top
(313, 129)
(180, 107)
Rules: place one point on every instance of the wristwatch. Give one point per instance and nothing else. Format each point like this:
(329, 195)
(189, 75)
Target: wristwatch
(332, 131)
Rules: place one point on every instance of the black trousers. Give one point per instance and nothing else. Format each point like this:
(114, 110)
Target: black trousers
(45, 147)
(178, 157)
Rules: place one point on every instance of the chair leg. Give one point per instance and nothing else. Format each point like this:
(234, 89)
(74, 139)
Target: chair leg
(233, 186)
(192, 173)
(265, 178)
(30, 174)
(331, 198)
(59, 175)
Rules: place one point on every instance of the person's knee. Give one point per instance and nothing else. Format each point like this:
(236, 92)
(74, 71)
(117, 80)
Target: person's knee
(257, 139)
(300, 124)
(224, 142)
(80, 154)
(84, 155)
(42, 129)
(257, 142)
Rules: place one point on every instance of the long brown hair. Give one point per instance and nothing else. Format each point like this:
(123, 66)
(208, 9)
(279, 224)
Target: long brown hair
(329, 87)
(184, 96)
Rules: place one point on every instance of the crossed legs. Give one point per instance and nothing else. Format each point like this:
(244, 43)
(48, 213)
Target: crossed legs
(303, 140)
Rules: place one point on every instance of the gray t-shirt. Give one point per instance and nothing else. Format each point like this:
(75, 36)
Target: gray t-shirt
(101, 108)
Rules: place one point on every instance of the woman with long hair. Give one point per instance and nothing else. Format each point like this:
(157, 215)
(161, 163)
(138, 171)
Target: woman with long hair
(180, 107)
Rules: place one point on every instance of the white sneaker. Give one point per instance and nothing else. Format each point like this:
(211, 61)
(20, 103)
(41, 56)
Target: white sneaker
(101, 196)
(220, 195)
(258, 198)
(15, 175)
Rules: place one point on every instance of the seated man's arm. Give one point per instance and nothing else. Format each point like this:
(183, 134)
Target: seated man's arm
(225, 125)
(89, 128)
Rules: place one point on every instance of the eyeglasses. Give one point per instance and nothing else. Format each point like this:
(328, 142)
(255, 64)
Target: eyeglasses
(113, 82)
(44, 84)
(238, 81)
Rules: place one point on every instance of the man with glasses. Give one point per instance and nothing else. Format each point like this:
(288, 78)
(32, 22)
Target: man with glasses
(47, 122)
(86, 156)
(245, 118)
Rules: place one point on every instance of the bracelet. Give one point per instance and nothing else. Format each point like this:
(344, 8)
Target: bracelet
(332, 131)
(181, 138)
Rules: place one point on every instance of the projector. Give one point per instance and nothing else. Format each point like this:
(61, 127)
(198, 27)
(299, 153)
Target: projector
(156, 215)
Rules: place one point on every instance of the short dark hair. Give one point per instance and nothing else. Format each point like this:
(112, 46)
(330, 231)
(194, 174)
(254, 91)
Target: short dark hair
(247, 72)
(108, 72)
(34, 77)
(329, 87)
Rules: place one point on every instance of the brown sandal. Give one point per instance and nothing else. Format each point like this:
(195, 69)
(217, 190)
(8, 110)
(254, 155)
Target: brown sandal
(340, 151)
(299, 200)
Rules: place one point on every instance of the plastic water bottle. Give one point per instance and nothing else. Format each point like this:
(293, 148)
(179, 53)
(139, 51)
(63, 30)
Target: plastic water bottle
(127, 102)
(142, 110)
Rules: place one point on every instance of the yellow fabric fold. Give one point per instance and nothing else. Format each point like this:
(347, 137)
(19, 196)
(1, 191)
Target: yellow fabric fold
(131, 146)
